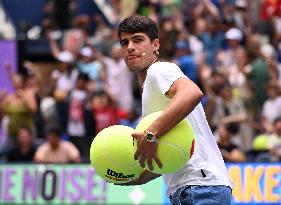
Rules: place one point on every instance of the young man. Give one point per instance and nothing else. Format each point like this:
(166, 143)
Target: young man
(204, 179)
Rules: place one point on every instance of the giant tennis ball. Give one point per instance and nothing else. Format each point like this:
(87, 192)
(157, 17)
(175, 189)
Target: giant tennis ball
(112, 155)
(174, 148)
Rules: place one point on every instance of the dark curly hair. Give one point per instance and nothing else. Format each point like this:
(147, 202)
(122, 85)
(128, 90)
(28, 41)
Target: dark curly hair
(139, 24)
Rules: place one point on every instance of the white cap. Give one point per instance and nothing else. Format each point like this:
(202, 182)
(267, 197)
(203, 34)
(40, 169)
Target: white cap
(234, 34)
(241, 3)
(65, 57)
(268, 50)
(86, 51)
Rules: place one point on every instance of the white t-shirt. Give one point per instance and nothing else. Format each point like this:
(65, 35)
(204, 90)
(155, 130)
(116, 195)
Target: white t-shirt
(272, 108)
(206, 156)
(64, 81)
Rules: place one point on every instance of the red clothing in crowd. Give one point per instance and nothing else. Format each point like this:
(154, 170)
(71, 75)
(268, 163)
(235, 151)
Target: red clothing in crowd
(270, 8)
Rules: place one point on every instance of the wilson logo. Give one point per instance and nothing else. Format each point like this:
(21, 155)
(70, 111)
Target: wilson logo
(118, 176)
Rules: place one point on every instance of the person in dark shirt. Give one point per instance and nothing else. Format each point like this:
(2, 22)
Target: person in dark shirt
(230, 152)
(24, 150)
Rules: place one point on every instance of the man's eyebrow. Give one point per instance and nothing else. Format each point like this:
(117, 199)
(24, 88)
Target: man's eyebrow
(132, 37)
(137, 36)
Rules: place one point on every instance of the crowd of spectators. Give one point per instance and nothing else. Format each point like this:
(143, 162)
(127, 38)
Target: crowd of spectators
(230, 48)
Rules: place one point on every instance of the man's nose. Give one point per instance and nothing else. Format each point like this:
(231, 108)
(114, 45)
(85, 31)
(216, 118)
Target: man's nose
(131, 46)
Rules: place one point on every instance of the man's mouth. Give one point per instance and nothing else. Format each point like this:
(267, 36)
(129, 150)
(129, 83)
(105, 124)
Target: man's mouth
(132, 57)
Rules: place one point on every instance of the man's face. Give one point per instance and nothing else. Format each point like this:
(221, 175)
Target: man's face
(138, 50)
(53, 140)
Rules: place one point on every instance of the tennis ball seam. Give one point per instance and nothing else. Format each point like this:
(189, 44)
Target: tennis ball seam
(176, 146)
(107, 155)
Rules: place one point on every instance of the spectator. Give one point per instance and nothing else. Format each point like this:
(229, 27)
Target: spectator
(76, 119)
(104, 110)
(274, 141)
(211, 84)
(55, 150)
(62, 81)
(90, 64)
(231, 111)
(212, 41)
(19, 106)
(167, 35)
(34, 84)
(119, 80)
(237, 77)
(195, 45)
(25, 149)
(64, 78)
(257, 71)
(272, 107)
(185, 61)
(230, 151)
(228, 57)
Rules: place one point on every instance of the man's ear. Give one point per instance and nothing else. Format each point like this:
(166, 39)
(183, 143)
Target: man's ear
(156, 44)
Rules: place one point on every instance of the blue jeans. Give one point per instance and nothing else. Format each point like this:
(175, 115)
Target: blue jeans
(201, 195)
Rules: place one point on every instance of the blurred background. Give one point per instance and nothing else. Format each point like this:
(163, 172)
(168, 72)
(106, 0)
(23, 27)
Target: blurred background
(63, 80)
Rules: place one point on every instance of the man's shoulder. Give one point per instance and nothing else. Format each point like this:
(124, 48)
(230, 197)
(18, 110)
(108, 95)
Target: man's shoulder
(162, 66)
(67, 145)
(45, 145)
(163, 63)
(43, 148)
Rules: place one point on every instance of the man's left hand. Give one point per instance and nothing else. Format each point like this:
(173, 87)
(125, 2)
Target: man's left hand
(146, 151)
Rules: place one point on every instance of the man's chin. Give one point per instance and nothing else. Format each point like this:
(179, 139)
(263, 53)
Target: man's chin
(136, 69)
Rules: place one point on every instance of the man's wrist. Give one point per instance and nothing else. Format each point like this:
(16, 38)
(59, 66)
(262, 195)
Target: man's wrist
(150, 136)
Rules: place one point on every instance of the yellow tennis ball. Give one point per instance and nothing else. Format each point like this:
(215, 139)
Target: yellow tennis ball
(260, 143)
(112, 155)
(174, 148)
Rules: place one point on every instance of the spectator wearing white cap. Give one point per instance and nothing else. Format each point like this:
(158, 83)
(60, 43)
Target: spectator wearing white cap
(89, 64)
(63, 78)
(228, 57)
(62, 81)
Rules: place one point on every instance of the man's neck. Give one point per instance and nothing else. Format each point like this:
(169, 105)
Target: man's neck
(142, 74)
(141, 77)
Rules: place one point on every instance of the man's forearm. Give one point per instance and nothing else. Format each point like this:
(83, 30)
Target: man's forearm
(145, 177)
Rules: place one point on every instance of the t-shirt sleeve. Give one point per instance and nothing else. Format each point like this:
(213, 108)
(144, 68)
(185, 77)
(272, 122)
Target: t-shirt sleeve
(164, 75)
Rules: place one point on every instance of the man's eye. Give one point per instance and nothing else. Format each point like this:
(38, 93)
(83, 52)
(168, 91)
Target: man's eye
(123, 43)
(137, 40)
